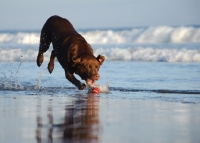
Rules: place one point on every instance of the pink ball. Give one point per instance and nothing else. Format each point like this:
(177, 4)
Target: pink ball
(95, 90)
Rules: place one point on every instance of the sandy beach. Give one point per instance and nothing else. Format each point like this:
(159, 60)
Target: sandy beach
(96, 118)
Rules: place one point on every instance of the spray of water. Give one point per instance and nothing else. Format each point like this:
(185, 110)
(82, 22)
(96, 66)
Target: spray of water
(37, 86)
(5, 83)
(17, 84)
(12, 82)
(102, 88)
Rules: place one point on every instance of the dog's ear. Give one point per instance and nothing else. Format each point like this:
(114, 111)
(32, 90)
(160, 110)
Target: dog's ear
(101, 59)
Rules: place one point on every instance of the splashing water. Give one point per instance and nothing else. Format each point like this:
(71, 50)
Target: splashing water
(37, 86)
(17, 84)
(12, 82)
(102, 88)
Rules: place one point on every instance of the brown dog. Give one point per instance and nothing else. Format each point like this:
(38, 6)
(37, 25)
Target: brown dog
(72, 51)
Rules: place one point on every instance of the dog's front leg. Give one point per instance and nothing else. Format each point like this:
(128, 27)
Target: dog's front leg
(51, 62)
(73, 80)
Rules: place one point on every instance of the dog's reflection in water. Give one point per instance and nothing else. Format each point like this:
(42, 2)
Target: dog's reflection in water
(81, 123)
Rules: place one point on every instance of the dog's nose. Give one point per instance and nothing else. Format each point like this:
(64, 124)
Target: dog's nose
(97, 77)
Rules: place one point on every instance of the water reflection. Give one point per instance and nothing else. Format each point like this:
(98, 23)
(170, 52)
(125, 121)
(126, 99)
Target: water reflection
(80, 122)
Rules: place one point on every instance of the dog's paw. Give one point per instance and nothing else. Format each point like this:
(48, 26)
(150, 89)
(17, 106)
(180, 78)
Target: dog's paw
(81, 86)
(39, 59)
(39, 64)
(50, 67)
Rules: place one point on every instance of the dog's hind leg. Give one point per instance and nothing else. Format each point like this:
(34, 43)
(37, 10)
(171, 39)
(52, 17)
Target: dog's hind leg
(45, 41)
(51, 62)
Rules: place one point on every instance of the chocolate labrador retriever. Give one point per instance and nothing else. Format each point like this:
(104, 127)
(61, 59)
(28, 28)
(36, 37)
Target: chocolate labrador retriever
(72, 51)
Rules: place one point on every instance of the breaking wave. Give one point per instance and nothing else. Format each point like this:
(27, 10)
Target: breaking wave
(159, 34)
(151, 54)
(19, 37)
(150, 44)
(147, 54)
(20, 55)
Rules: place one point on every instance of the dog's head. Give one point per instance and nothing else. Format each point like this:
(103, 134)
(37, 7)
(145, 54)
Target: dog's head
(87, 68)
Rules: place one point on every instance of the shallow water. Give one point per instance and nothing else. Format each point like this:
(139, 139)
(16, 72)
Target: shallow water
(96, 118)
(174, 82)
(146, 102)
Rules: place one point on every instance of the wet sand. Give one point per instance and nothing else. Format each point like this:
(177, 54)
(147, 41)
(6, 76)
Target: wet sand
(96, 118)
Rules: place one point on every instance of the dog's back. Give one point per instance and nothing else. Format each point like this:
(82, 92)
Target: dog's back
(72, 51)
(59, 24)
(61, 33)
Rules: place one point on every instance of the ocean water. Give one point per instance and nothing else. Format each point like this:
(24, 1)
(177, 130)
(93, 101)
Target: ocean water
(146, 59)
(146, 68)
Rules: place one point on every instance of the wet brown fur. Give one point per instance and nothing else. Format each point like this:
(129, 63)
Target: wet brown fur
(72, 51)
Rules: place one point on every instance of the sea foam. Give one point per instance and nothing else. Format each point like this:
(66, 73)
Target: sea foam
(147, 54)
(19, 37)
(159, 34)
(178, 44)
(19, 55)
(150, 54)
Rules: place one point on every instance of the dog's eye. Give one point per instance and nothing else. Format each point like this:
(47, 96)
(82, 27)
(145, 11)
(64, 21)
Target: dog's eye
(87, 67)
